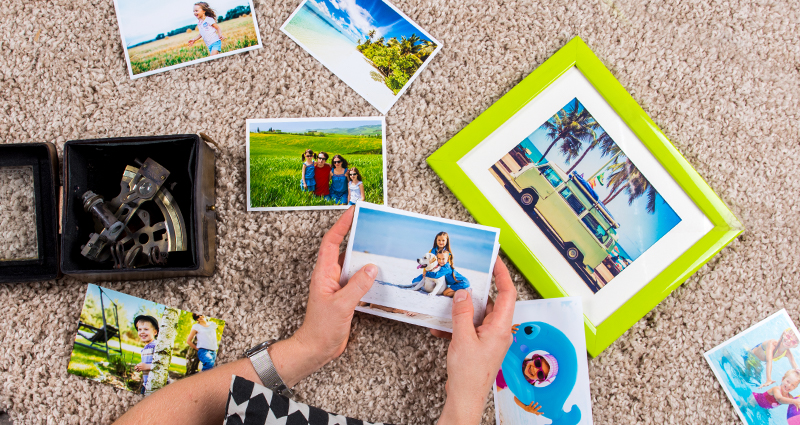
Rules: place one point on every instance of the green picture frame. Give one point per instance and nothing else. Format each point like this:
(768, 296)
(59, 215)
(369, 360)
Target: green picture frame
(576, 53)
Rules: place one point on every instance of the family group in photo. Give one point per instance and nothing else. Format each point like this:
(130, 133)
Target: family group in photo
(338, 184)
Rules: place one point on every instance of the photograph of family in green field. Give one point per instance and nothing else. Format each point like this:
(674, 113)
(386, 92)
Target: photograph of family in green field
(175, 33)
(139, 345)
(369, 44)
(314, 163)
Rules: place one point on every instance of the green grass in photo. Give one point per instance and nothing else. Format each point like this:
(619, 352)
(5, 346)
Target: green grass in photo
(276, 166)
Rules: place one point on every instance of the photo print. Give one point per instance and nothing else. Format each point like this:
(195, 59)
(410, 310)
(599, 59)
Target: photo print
(758, 371)
(585, 194)
(139, 345)
(422, 261)
(369, 44)
(160, 35)
(315, 163)
(544, 377)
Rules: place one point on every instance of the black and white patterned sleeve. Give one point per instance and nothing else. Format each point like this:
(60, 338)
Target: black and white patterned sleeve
(252, 404)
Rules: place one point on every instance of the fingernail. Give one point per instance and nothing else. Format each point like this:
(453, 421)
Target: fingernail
(461, 295)
(371, 270)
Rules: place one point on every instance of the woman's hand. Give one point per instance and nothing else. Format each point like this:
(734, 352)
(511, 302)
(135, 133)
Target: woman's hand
(326, 327)
(475, 354)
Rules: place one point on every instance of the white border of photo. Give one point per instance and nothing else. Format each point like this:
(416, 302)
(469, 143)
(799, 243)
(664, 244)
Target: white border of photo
(597, 306)
(425, 320)
(323, 119)
(192, 62)
(383, 109)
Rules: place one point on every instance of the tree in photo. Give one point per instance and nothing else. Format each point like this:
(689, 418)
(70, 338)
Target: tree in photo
(571, 128)
(396, 60)
(162, 355)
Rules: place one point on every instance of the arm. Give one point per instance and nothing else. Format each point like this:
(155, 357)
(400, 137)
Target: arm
(784, 398)
(303, 176)
(219, 31)
(143, 367)
(195, 39)
(190, 338)
(201, 398)
(361, 188)
(769, 352)
(475, 354)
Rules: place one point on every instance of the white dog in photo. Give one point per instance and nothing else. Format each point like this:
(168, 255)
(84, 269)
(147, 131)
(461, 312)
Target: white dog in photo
(433, 286)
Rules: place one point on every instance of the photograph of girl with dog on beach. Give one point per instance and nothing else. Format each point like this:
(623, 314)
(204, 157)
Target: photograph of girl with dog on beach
(369, 44)
(759, 373)
(160, 35)
(139, 345)
(585, 194)
(315, 163)
(422, 261)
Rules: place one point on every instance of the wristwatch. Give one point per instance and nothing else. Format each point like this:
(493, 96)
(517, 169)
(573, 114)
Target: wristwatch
(265, 369)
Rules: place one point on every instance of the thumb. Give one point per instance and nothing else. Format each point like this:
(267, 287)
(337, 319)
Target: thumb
(462, 315)
(358, 285)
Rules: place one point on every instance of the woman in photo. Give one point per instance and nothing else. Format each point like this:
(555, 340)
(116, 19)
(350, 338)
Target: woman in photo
(339, 180)
(355, 187)
(208, 28)
(322, 175)
(206, 332)
(307, 182)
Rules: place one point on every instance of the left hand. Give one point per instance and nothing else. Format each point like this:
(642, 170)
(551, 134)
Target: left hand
(326, 327)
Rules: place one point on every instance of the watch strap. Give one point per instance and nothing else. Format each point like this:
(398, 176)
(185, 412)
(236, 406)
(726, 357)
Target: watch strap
(265, 369)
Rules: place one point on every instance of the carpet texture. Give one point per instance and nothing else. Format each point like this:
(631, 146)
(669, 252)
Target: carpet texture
(720, 79)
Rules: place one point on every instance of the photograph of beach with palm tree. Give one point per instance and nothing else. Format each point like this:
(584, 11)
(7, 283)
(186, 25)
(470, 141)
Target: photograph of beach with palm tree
(315, 163)
(369, 44)
(584, 193)
(138, 345)
(160, 35)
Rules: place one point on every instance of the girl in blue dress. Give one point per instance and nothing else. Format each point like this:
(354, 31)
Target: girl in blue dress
(307, 182)
(339, 180)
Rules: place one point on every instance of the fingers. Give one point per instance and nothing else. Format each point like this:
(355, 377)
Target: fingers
(357, 286)
(441, 334)
(329, 248)
(506, 295)
(463, 327)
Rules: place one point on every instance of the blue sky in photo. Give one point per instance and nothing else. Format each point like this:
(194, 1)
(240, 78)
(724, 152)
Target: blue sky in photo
(355, 19)
(638, 230)
(131, 303)
(143, 20)
(303, 126)
(397, 235)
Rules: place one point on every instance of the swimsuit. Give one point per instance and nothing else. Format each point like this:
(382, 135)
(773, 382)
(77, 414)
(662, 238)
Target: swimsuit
(311, 184)
(793, 415)
(765, 400)
(339, 188)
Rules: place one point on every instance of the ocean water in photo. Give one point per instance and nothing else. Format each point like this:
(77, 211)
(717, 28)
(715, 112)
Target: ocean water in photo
(339, 54)
(729, 364)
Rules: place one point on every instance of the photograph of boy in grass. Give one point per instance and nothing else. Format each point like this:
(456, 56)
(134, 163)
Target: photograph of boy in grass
(160, 34)
(138, 345)
(276, 179)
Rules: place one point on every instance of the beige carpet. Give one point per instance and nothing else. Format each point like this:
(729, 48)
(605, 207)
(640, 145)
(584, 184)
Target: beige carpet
(720, 78)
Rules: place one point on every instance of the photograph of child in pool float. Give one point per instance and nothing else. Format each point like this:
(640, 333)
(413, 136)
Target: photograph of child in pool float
(747, 364)
(318, 163)
(139, 345)
(545, 372)
(422, 261)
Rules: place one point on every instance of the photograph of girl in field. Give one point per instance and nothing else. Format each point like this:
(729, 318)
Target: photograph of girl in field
(585, 194)
(422, 262)
(160, 35)
(138, 345)
(369, 44)
(314, 163)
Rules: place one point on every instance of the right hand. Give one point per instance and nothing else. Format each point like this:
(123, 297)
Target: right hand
(768, 383)
(475, 354)
(191, 42)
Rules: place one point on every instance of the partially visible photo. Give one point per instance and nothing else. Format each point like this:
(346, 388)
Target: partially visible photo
(139, 345)
(160, 35)
(315, 163)
(422, 261)
(544, 377)
(585, 195)
(758, 371)
(369, 44)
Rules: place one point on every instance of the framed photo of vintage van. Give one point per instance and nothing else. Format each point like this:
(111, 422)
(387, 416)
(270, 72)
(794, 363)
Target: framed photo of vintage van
(592, 199)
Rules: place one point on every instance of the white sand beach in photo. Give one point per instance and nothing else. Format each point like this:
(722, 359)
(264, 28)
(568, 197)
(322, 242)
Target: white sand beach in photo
(435, 311)
(340, 55)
